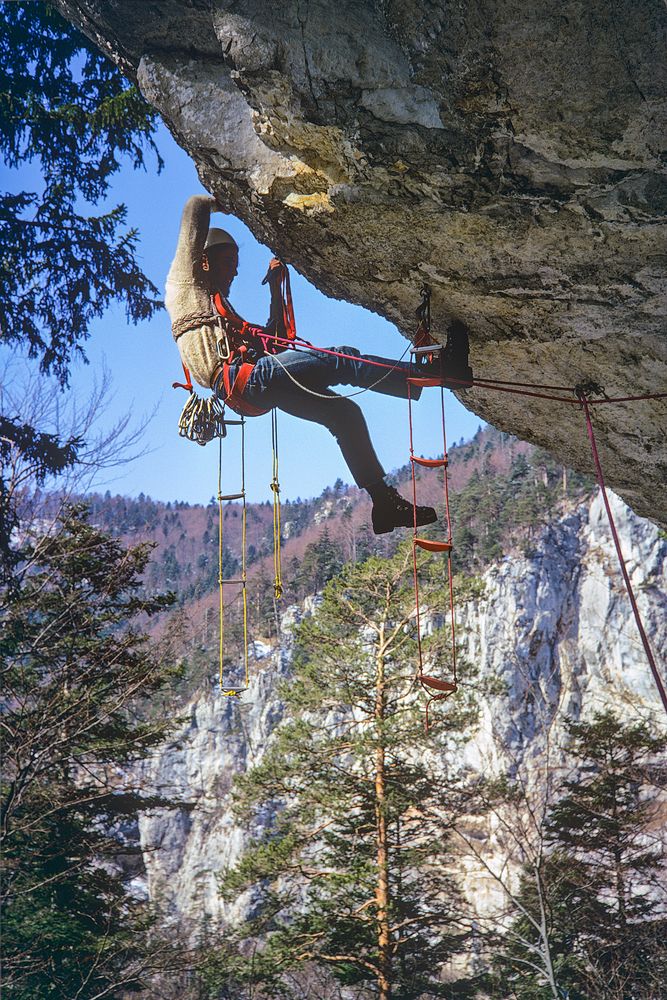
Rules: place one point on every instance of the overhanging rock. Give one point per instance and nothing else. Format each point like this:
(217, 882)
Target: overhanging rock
(510, 154)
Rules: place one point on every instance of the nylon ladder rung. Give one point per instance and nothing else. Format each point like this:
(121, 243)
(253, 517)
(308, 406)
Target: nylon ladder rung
(242, 582)
(231, 496)
(234, 423)
(432, 546)
(425, 381)
(430, 463)
(436, 683)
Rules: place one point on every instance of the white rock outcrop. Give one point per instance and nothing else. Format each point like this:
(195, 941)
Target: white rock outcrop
(554, 624)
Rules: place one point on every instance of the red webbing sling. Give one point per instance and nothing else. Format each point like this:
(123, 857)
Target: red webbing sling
(234, 390)
(279, 282)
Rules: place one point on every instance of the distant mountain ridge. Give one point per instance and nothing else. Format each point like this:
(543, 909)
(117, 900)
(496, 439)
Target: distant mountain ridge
(500, 490)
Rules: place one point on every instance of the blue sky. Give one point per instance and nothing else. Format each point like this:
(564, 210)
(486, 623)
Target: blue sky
(143, 362)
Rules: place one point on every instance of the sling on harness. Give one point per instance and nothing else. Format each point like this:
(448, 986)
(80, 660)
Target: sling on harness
(239, 340)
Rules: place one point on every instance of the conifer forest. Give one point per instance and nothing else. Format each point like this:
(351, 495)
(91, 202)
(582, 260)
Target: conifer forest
(404, 738)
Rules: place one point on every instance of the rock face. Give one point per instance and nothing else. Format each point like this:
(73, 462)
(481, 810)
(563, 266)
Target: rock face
(555, 625)
(510, 154)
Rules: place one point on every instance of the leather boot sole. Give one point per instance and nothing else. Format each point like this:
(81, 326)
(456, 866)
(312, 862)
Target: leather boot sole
(385, 521)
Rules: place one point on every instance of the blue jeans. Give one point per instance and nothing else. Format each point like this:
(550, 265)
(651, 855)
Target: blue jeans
(283, 380)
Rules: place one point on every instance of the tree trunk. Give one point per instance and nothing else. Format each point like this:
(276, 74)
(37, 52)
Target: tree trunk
(618, 873)
(382, 885)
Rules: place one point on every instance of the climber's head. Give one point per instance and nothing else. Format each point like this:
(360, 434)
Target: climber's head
(221, 260)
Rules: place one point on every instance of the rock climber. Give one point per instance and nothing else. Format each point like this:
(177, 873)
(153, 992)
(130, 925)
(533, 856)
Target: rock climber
(297, 382)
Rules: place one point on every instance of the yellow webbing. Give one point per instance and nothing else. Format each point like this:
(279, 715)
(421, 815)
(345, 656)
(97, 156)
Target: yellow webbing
(275, 488)
(244, 534)
(232, 692)
(221, 589)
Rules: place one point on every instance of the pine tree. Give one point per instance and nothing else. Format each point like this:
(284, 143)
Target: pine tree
(600, 881)
(75, 673)
(321, 562)
(352, 872)
(68, 109)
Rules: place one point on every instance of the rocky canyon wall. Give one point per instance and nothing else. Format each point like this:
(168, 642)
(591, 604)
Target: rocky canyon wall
(508, 153)
(554, 624)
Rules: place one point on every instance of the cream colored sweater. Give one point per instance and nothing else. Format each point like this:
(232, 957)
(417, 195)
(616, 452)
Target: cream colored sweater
(187, 298)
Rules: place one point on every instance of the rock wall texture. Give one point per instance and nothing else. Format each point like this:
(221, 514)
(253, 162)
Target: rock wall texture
(509, 153)
(555, 625)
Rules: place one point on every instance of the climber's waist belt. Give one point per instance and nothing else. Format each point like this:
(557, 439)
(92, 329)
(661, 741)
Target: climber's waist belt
(229, 382)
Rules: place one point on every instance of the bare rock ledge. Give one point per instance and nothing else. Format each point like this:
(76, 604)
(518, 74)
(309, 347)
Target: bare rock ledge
(509, 153)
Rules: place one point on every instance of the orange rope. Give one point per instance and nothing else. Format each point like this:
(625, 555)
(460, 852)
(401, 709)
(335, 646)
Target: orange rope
(428, 683)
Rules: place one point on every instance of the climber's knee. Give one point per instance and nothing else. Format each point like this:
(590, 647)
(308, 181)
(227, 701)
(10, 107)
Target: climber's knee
(344, 415)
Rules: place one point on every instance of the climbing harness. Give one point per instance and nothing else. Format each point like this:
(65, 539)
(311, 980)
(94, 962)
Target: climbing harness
(236, 340)
(240, 341)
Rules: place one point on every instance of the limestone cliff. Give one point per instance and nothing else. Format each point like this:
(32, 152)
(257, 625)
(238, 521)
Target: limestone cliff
(510, 154)
(555, 624)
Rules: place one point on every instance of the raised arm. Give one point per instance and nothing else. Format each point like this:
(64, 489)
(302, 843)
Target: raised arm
(186, 265)
(275, 324)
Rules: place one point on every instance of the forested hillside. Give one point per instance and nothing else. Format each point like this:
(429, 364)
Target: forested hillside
(388, 780)
(322, 843)
(501, 490)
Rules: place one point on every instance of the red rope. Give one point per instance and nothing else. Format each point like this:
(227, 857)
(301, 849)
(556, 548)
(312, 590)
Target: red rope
(450, 577)
(628, 399)
(628, 585)
(415, 570)
(415, 573)
(480, 384)
(515, 388)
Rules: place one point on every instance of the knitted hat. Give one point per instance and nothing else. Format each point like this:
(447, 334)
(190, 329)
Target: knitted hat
(218, 238)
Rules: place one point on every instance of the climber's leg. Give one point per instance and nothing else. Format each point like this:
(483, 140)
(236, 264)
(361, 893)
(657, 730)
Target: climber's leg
(346, 422)
(341, 417)
(319, 371)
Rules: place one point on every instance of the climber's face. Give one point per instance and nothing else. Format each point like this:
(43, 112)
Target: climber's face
(223, 262)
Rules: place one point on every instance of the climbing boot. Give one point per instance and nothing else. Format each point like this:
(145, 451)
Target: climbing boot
(391, 510)
(453, 375)
(451, 365)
